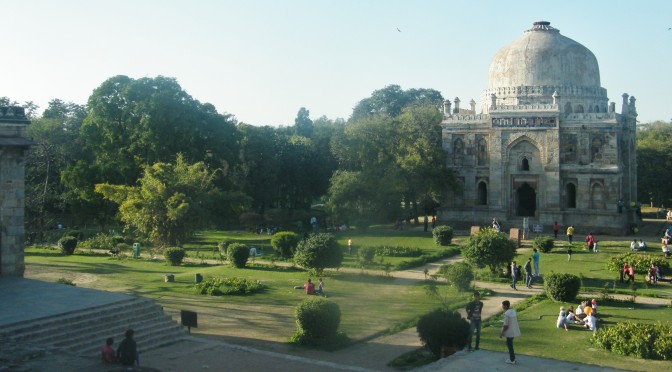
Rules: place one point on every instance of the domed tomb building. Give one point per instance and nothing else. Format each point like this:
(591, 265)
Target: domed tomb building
(546, 144)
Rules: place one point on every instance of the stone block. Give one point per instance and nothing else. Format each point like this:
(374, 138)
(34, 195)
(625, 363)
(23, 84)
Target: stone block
(474, 230)
(516, 234)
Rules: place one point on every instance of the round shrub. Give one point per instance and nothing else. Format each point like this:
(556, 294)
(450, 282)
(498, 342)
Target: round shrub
(75, 233)
(174, 255)
(443, 328)
(562, 287)
(67, 244)
(237, 254)
(284, 243)
(318, 252)
(649, 341)
(543, 243)
(366, 254)
(459, 275)
(443, 235)
(122, 247)
(317, 321)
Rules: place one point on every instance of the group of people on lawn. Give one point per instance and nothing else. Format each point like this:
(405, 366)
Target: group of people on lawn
(585, 315)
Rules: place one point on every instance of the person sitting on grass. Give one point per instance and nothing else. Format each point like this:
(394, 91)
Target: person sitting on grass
(309, 287)
(320, 289)
(591, 322)
(562, 319)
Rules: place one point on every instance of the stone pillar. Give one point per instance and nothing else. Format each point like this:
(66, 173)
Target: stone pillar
(456, 110)
(446, 108)
(624, 106)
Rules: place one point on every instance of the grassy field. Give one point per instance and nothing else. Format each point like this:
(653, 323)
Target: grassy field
(369, 304)
(363, 314)
(540, 337)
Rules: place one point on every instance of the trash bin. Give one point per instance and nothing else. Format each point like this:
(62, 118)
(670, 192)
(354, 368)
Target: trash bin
(136, 250)
(198, 278)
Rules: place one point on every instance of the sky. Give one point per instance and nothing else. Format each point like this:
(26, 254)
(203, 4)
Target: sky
(262, 60)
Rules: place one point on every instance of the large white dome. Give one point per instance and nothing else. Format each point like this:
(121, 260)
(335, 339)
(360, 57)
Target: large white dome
(543, 57)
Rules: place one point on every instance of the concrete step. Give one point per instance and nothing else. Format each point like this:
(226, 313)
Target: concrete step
(85, 331)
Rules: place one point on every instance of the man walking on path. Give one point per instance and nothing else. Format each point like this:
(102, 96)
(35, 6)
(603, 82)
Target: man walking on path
(535, 257)
(570, 234)
(510, 330)
(528, 273)
(474, 309)
(555, 229)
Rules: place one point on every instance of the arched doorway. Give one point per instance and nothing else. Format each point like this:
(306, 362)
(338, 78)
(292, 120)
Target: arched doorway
(527, 200)
(571, 195)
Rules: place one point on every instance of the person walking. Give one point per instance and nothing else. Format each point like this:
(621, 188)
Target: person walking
(349, 246)
(569, 253)
(474, 309)
(528, 273)
(570, 234)
(624, 272)
(514, 276)
(536, 257)
(631, 274)
(510, 330)
(426, 223)
(555, 229)
(590, 241)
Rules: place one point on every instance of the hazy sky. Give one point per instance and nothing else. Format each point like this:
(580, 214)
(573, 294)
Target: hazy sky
(262, 60)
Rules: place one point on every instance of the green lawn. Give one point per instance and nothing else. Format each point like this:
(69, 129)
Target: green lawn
(540, 337)
(369, 304)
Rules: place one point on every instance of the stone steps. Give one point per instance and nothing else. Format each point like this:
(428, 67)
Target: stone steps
(84, 331)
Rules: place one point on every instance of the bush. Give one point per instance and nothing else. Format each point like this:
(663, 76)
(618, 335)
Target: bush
(250, 220)
(228, 286)
(443, 235)
(562, 287)
(237, 254)
(649, 341)
(101, 241)
(489, 248)
(366, 254)
(443, 328)
(67, 244)
(398, 251)
(284, 243)
(317, 321)
(459, 275)
(75, 234)
(318, 252)
(543, 243)
(640, 261)
(174, 255)
(122, 247)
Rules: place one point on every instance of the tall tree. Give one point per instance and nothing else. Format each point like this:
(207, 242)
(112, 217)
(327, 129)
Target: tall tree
(171, 202)
(654, 160)
(302, 124)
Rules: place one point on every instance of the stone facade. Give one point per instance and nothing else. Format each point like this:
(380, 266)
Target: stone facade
(546, 144)
(13, 146)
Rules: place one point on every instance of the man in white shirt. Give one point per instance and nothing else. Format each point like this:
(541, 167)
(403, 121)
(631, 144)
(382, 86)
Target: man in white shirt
(510, 330)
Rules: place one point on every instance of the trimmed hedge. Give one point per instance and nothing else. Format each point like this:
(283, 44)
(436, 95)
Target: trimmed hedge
(228, 286)
(640, 261)
(562, 287)
(443, 235)
(284, 243)
(443, 328)
(317, 321)
(67, 244)
(238, 254)
(543, 243)
(389, 251)
(648, 341)
(174, 255)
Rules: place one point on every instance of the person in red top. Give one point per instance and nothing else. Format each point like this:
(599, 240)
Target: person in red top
(624, 272)
(590, 240)
(107, 353)
(309, 287)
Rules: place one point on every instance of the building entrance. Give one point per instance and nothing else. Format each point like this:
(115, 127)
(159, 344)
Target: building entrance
(526, 201)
